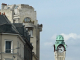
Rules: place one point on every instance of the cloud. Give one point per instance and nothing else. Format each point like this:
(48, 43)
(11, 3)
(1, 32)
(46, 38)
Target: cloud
(67, 36)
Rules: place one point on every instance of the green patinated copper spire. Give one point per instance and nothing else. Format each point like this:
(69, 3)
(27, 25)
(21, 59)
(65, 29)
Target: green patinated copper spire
(59, 37)
(60, 40)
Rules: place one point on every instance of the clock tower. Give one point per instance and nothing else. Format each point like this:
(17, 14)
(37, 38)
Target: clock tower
(59, 48)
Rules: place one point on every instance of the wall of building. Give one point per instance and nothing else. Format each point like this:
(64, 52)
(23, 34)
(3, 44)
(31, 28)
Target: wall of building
(8, 13)
(59, 56)
(38, 43)
(19, 14)
(21, 50)
(27, 52)
(27, 13)
(33, 58)
(14, 39)
(0, 45)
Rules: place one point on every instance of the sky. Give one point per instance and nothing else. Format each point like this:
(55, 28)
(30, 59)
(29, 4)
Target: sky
(59, 17)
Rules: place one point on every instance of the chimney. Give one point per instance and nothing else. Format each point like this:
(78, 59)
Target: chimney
(4, 13)
(3, 5)
(0, 13)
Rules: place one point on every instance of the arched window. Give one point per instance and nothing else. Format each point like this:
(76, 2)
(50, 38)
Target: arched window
(27, 19)
(8, 7)
(16, 7)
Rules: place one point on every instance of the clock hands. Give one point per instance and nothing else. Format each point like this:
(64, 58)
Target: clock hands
(60, 49)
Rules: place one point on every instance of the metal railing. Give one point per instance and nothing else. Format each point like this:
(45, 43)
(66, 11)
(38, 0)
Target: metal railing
(11, 51)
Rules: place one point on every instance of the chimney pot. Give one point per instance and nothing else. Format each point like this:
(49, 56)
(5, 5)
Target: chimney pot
(4, 4)
(4, 13)
(0, 13)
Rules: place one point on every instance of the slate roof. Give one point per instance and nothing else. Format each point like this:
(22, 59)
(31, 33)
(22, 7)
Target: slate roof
(3, 20)
(18, 24)
(22, 30)
(6, 26)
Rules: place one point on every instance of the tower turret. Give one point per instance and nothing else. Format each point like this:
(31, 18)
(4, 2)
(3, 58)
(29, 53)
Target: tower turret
(59, 48)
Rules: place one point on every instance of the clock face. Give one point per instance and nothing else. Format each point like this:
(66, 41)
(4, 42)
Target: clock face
(60, 49)
(27, 19)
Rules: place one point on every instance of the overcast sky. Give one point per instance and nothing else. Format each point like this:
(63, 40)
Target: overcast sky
(58, 17)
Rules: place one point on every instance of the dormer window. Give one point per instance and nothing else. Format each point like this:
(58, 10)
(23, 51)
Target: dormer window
(31, 33)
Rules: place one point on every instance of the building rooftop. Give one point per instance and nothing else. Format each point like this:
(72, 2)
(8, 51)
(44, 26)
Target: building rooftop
(59, 37)
(3, 20)
(7, 28)
(22, 31)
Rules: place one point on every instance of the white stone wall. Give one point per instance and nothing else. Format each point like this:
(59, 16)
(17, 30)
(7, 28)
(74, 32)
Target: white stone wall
(20, 51)
(59, 56)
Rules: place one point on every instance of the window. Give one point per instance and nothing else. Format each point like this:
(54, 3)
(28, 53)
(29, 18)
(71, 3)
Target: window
(27, 19)
(31, 33)
(8, 46)
(32, 44)
(14, 21)
(16, 7)
(26, 28)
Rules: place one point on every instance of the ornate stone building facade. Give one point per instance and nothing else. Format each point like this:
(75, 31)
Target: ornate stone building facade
(26, 15)
(14, 41)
